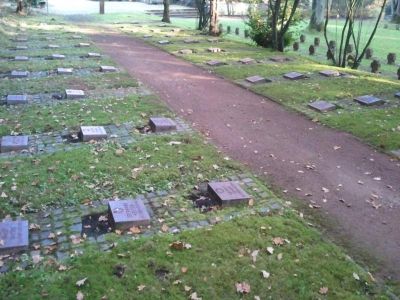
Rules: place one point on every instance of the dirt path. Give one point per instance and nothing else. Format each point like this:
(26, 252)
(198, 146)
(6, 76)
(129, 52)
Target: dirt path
(296, 153)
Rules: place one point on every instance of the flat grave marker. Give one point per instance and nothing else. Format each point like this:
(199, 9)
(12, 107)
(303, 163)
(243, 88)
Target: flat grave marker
(108, 69)
(147, 36)
(160, 124)
(74, 94)
(65, 71)
(164, 42)
(215, 63)
(21, 58)
(213, 40)
(257, 79)
(21, 47)
(369, 100)
(125, 214)
(93, 55)
(397, 95)
(81, 45)
(14, 236)
(214, 50)
(247, 61)
(185, 51)
(19, 74)
(294, 76)
(52, 46)
(57, 56)
(14, 143)
(17, 99)
(191, 41)
(322, 106)
(227, 193)
(76, 37)
(89, 133)
(20, 39)
(279, 58)
(330, 73)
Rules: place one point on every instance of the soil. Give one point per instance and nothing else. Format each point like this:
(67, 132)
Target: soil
(352, 186)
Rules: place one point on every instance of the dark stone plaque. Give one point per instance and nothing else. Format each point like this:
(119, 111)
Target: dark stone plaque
(215, 63)
(330, 73)
(294, 76)
(125, 214)
(14, 236)
(19, 74)
(369, 100)
(106, 69)
(164, 42)
(88, 133)
(147, 36)
(14, 143)
(74, 94)
(322, 106)
(160, 124)
(257, 79)
(17, 99)
(227, 193)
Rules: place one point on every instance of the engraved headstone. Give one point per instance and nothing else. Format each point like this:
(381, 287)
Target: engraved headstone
(215, 63)
(369, 100)
(57, 56)
(83, 45)
(65, 71)
(74, 94)
(93, 55)
(330, 73)
(214, 50)
(14, 236)
(21, 58)
(17, 99)
(125, 214)
(227, 193)
(257, 79)
(247, 61)
(19, 74)
(185, 51)
(160, 124)
(294, 76)
(21, 48)
(14, 143)
(88, 133)
(322, 106)
(164, 42)
(107, 69)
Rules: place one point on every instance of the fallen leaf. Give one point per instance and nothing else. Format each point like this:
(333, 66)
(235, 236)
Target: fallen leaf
(278, 241)
(79, 296)
(141, 287)
(254, 255)
(134, 230)
(323, 290)
(242, 287)
(187, 288)
(251, 202)
(280, 256)
(178, 245)
(194, 296)
(62, 268)
(36, 259)
(81, 282)
(356, 277)
(164, 228)
(265, 274)
(184, 269)
(270, 250)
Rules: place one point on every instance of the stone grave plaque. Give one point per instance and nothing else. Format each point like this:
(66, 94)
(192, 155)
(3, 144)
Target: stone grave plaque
(108, 69)
(160, 124)
(76, 37)
(57, 56)
(214, 50)
(88, 133)
(330, 73)
(147, 36)
(185, 51)
(21, 58)
(215, 63)
(14, 143)
(322, 106)
(294, 76)
(125, 214)
(52, 46)
(247, 61)
(279, 58)
(397, 95)
(17, 99)
(368, 100)
(257, 79)
(65, 71)
(227, 193)
(50, 38)
(83, 45)
(93, 54)
(213, 40)
(191, 41)
(21, 48)
(19, 74)
(21, 40)
(74, 94)
(14, 236)
(164, 42)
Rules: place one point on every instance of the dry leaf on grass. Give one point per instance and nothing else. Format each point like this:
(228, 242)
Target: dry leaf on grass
(141, 287)
(278, 241)
(265, 274)
(81, 282)
(242, 287)
(323, 290)
(79, 296)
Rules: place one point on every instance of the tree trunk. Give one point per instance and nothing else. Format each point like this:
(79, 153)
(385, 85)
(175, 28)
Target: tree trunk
(214, 30)
(20, 7)
(166, 17)
(318, 14)
(102, 7)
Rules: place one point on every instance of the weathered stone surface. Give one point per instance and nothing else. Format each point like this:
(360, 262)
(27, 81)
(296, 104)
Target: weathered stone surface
(160, 124)
(214, 50)
(213, 40)
(397, 95)
(65, 71)
(125, 214)
(330, 73)
(185, 51)
(14, 143)
(294, 76)
(74, 94)
(19, 74)
(89, 133)
(279, 58)
(57, 56)
(396, 153)
(93, 55)
(81, 45)
(21, 48)
(20, 39)
(14, 236)
(17, 99)
(52, 46)
(108, 69)
(76, 37)
(147, 36)
(227, 193)
(164, 42)
(369, 100)
(215, 63)
(191, 41)
(257, 79)
(21, 58)
(247, 61)
(322, 106)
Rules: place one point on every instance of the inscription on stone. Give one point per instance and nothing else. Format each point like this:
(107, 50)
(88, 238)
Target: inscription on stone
(21, 58)
(17, 99)
(369, 100)
(65, 71)
(330, 73)
(125, 214)
(294, 76)
(19, 74)
(106, 69)
(322, 106)
(14, 236)
(160, 124)
(74, 94)
(14, 143)
(89, 133)
(227, 193)
(257, 79)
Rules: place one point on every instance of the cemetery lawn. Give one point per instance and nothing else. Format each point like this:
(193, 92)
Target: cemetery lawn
(305, 266)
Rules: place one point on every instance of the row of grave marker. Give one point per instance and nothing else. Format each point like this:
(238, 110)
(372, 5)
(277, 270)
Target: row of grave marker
(55, 56)
(61, 71)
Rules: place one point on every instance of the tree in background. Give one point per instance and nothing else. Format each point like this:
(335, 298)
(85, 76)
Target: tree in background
(318, 9)
(166, 18)
(351, 34)
(395, 5)
(214, 30)
(204, 14)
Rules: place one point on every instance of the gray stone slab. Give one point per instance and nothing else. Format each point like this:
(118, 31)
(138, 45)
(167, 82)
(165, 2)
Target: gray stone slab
(65, 71)
(50, 38)
(19, 74)
(330, 73)
(14, 236)
(81, 45)
(57, 56)
(247, 61)
(17, 99)
(185, 51)
(106, 69)
(93, 55)
(164, 42)
(74, 94)
(21, 58)
(215, 63)
(397, 95)
(52, 46)
(213, 40)
(147, 36)
(20, 40)
(160, 124)
(369, 100)
(226, 193)
(322, 106)
(76, 37)
(191, 41)
(20, 47)
(214, 50)
(89, 133)
(279, 58)
(396, 153)
(125, 214)
(14, 143)
(294, 76)
(257, 79)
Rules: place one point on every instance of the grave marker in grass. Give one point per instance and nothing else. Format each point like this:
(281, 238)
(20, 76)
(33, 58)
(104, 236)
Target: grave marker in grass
(19, 74)
(247, 61)
(161, 124)
(329, 73)
(125, 214)
(14, 236)
(74, 94)
(257, 79)
(89, 133)
(227, 193)
(108, 69)
(369, 100)
(17, 99)
(215, 63)
(14, 143)
(21, 58)
(65, 71)
(294, 76)
(322, 106)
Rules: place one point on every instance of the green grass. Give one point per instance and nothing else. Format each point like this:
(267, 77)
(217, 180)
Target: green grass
(219, 258)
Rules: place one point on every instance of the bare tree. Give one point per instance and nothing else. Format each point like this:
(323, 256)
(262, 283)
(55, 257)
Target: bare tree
(166, 18)
(102, 7)
(317, 19)
(204, 14)
(214, 30)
